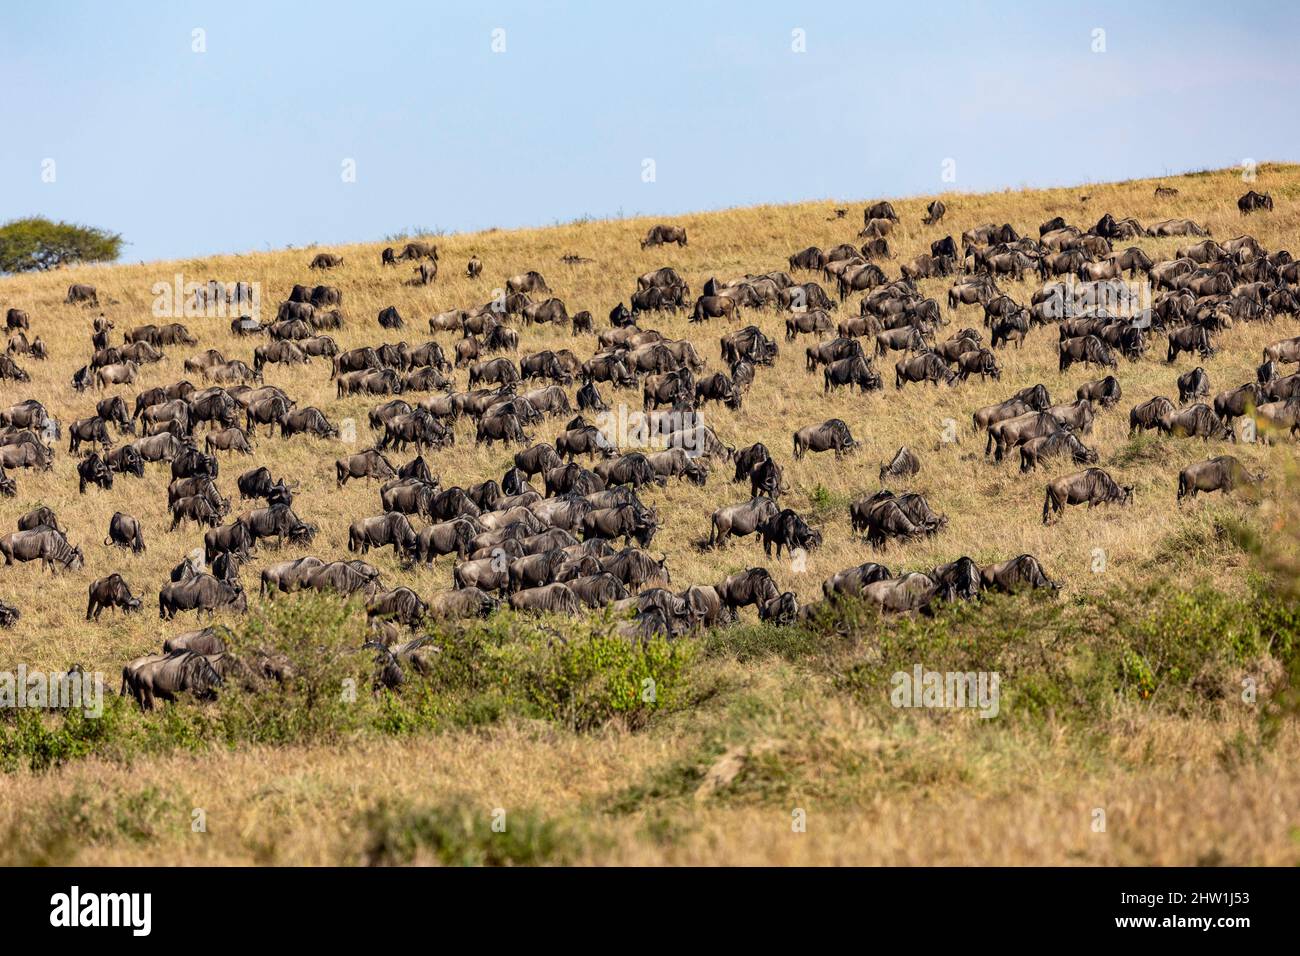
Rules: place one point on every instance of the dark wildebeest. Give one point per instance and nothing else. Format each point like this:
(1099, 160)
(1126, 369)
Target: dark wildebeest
(1053, 445)
(1193, 384)
(91, 470)
(1198, 421)
(850, 371)
(1238, 401)
(934, 212)
(1191, 338)
(1223, 473)
(1253, 201)
(82, 294)
(831, 435)
(788, 529)
(1105, 391)
(741, 520)
(851, 581)
(661, 235)
(325, 260)
(203, 592)
(1023, 571)
(1092, 486)
(393, 528)
(1088, 349)
(93, 429)
(1149, 414)
(904, 464)
(48, 546)
(124, 531)
(111, 591)
(927, 367)
(167, 676)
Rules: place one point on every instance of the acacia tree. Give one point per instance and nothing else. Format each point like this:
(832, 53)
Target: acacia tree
(36, 244)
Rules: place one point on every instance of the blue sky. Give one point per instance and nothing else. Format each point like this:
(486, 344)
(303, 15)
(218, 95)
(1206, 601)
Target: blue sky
(242, 147)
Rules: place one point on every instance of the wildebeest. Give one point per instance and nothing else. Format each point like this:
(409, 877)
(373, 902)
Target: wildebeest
(740, 520)
(1191, 338)
(1223, 473)
(167, 676)
(107, 592)
(926, 367)
(1092, 486)
(82, 294)
(934, 212)
(1057, 443)
(1022, 571)
(1106, 391)
(787, 529)
(124, 531)
(661, 235)
(1253, 201)
(1198, 421)
(92, 470)
(831, 435)
(48, 546)
(393, 528)
(1193, 384)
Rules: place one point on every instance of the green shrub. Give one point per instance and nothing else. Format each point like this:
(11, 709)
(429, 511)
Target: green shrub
(456, 835)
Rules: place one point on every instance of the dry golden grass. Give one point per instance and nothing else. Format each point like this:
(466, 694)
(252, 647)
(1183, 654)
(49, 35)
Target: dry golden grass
(294, 806)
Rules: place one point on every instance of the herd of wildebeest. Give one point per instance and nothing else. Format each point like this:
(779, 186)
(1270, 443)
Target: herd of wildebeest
(546, 537)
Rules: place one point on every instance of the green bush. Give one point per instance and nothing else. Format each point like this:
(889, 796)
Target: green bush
(456, 835)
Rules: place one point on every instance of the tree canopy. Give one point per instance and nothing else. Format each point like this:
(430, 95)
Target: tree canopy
(36, 244)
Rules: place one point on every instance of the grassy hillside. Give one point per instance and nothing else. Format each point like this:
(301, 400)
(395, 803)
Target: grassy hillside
(1122, 695)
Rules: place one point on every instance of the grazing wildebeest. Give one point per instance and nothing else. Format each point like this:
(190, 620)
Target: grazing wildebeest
(124, 531)
(93, 429)
(661, 235)
(203, 592)
(1053, 445)
(1092, 486)
(82, 294)
(1022, 571)
(393, 528)
(740, 520)
(42, 517)
(1176, 227)
(1012, 432)
(926, 367)
(530, 281)
(831, 435)
(851, 581)
(1088, 349)
(92, 470)
(1283, 351)
(934, 212)
(1253, 201)
(1190, 338)
(48, 546)
(1223, 473)
(111, 591)
(167, 676)
(1105, 391)
(787, 529)
(1239, 401)
(1198, 421)
(1149, 414)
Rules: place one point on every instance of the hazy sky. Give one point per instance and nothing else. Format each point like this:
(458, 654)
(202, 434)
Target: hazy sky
(243, 146)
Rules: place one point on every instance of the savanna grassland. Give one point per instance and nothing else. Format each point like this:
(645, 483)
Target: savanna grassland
(1157, 688)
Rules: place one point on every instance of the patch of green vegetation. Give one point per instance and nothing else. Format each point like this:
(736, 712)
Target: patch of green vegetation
(456, 834)
(52, 834)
